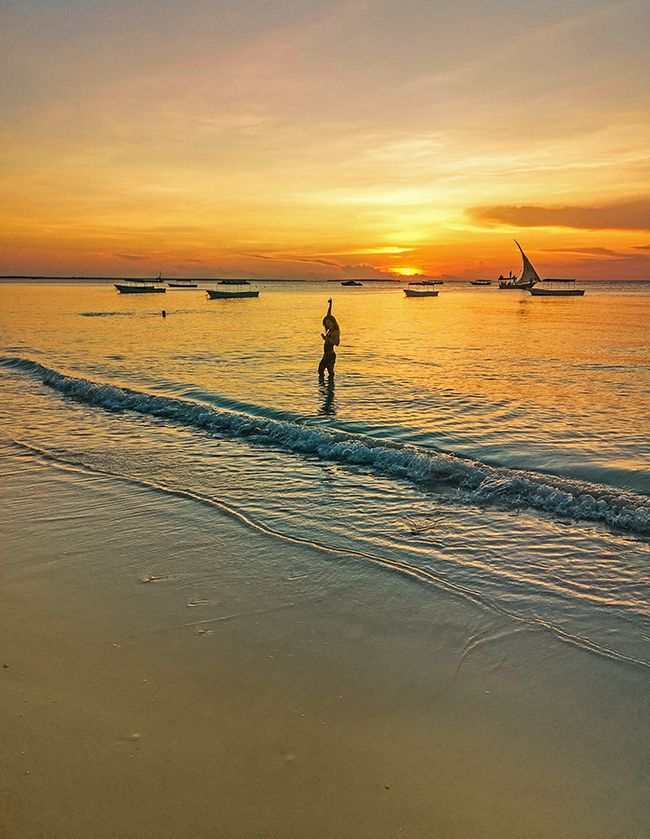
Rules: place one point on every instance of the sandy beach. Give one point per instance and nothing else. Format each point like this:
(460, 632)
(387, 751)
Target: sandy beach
(164, 675)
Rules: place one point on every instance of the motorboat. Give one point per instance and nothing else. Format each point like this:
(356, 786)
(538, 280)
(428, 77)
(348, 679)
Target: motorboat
(140, 287)
(232, 289)
(181, 284)
(422, 289)
(557, 288)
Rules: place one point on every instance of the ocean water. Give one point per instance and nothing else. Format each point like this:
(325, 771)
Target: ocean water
(485, 443)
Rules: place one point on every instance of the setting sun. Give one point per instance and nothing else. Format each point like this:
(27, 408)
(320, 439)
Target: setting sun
(301, 143)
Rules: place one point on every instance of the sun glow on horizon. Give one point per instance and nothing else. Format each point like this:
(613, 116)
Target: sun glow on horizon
(279, 145)
(406, 272)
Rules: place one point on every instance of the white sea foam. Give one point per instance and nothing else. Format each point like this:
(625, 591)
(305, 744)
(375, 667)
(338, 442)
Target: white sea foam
(477, 482)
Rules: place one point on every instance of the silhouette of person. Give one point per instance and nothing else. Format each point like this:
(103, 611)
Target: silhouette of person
(332, 338)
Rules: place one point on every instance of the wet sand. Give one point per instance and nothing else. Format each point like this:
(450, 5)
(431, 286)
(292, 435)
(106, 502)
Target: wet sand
(169, 671)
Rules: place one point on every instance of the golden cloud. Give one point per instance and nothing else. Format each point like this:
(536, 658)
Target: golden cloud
(624, 215)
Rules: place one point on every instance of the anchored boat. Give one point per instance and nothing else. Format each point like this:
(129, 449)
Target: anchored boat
(141, 286)
(422, 289)
(557, 288)
(232, 288)
(181, 284)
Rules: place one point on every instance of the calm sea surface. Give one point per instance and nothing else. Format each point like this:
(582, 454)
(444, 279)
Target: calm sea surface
(486, 442)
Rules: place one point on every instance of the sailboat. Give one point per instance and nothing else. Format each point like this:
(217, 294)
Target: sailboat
(528, 279)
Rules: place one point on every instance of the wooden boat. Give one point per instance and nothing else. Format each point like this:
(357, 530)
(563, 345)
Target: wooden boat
(181, 284)
(481, 282)
(140, 287)
(557, 288)
(422, 289)
(508, 282)
(529, 276)
(232, 289)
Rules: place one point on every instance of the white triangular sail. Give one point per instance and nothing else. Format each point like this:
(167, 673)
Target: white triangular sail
(530, 275)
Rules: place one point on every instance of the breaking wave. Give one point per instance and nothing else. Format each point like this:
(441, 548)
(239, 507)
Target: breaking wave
(478, 482)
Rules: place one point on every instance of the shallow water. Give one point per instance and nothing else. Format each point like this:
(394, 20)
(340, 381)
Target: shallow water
(485, 442)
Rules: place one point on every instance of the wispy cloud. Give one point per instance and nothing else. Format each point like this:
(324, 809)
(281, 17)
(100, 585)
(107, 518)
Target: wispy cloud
(286, 258)
(583, 250)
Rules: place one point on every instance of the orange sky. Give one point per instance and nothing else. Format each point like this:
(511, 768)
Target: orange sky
(263, 138)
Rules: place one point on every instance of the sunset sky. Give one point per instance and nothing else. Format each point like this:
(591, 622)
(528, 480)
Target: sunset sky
(320, 139)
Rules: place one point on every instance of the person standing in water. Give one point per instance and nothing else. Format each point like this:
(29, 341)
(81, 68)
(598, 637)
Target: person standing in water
(332, 338)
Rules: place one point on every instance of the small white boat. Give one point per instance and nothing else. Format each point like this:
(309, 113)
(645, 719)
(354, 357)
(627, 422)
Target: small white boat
(422, 289)
(557, 288)
(232, 289)
(481, 282)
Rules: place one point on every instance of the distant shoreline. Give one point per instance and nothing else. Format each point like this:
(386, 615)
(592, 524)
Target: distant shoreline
(27, 278)
(34, 278)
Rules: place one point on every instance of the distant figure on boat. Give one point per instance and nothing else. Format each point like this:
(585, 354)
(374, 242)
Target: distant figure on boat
(332, 338)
